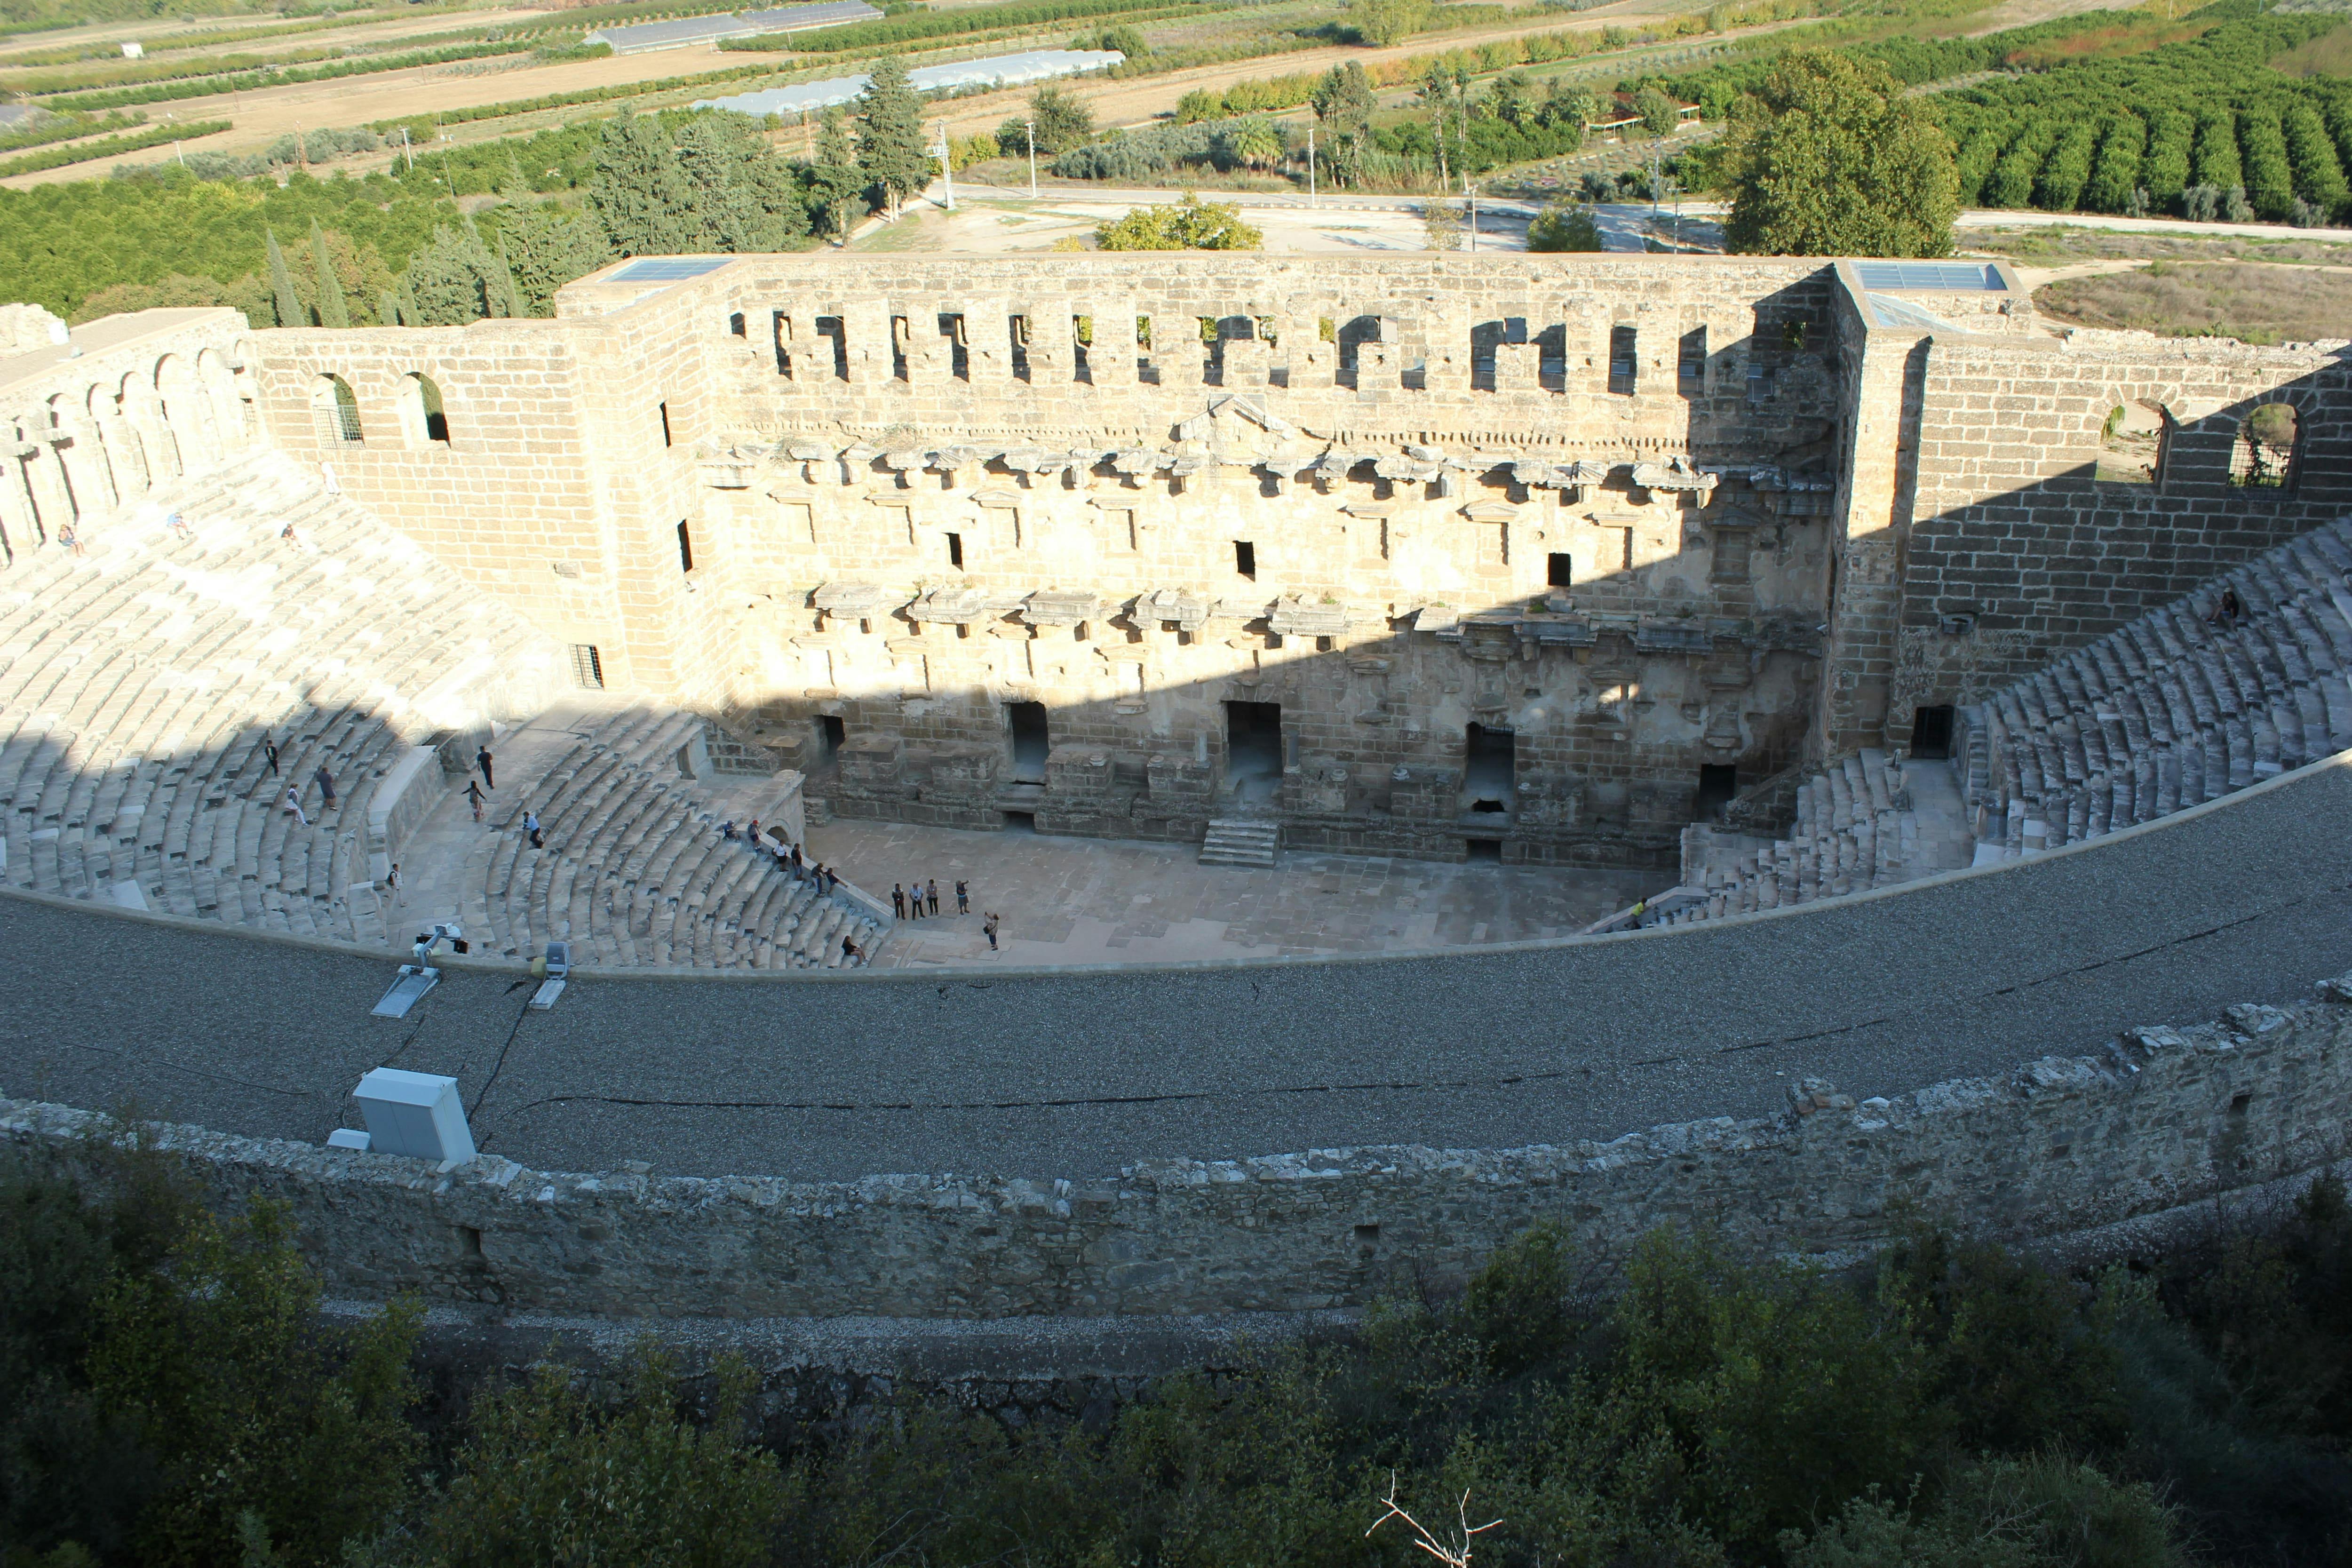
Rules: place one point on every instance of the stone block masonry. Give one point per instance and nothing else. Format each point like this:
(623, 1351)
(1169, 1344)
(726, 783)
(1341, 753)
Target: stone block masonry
(2164, 1118)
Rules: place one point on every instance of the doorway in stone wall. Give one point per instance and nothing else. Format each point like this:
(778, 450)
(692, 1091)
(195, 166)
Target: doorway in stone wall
(1931, 732)
(1489, 764)
(1717, 783)
(830, 734)
(1031, 740)
(1253, 751)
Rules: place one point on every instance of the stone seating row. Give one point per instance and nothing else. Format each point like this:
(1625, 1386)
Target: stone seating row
(2248, 677)
(2238, 682)
(139, 680)
(636, 870)
(1856, 829)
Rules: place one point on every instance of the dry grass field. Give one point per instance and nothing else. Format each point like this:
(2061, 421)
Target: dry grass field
(2252, 301)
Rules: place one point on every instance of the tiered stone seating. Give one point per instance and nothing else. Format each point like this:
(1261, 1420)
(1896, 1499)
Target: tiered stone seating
(137, 682)
(1856, 829)
(2182, 706)
(636, 871)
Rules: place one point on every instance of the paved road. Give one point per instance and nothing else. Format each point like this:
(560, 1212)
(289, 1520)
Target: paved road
(1075, 1074)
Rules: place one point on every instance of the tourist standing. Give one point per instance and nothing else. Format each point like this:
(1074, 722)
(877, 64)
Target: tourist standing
(897, 898)
(915, 902)
(392, 884)
(988, 924)
(963, 897)
(269, 749)
(933, 893)
(473, 795)
(326, 785)
(482, 760)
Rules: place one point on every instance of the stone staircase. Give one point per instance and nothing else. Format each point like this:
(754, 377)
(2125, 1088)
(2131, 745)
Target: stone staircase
(1240, 841)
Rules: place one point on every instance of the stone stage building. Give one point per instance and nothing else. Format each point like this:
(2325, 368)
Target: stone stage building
(1529, 556)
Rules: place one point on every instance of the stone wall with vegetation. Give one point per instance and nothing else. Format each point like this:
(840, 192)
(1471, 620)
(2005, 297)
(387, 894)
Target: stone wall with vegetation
(2165, 1117)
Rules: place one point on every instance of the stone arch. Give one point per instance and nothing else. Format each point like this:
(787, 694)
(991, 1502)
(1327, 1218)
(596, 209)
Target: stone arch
(81, 457)
(2134, 441)
(2267, 450)
(140, 425)
(220, 395)
(181, 413)
(424, 416)
(335, 410)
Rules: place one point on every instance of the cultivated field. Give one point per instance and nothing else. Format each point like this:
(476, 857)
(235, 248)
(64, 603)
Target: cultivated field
(2258, 302)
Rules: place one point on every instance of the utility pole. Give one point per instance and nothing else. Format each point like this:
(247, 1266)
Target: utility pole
(1311, 163)
(947, 171)
(1033, 158)
(1470, 193)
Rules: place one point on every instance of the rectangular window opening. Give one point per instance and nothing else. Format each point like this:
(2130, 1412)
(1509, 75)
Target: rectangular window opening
(1016, 329)
(959, 346)
(685, 547)
(1245, 559)
(955, 550)
(1082, 338)
(737, 326)
(663, 409)
(1483, 851)
(900, 336)
(587, 667)
(834, 328)
(1624, 361)
(1692, 370)
(1489, 768)
(1559, 570)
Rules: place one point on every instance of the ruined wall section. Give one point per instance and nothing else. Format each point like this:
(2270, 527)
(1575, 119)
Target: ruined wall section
(2022, 547)
(2163, 1119)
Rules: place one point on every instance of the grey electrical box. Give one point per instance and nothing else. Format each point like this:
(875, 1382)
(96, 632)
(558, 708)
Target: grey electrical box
(417, 1114)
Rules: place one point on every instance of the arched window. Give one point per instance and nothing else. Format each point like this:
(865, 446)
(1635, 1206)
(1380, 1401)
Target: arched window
(2269, 440)
(336, 410)
(421, 412)
(2133, 444)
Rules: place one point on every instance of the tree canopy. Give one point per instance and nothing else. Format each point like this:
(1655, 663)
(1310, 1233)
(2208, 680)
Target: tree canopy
(1830, 158)
(1564, 226)
(890, 150)
(1191, 224)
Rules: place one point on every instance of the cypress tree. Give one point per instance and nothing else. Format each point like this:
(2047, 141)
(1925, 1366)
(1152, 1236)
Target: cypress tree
(640, 191)
(332, 311)
(510, 303)
(890, 152)
(281, 285)
(387, 308)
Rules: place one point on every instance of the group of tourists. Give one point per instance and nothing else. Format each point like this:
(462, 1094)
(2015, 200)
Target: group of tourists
(923, 903)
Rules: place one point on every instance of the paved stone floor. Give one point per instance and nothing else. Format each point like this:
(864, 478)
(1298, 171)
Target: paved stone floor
(1090, 901)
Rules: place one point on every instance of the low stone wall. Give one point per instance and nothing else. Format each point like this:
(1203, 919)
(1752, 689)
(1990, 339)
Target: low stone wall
(2165, 1118)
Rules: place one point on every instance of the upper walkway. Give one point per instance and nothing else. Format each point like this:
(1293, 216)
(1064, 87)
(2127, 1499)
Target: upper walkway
(1077, 1073)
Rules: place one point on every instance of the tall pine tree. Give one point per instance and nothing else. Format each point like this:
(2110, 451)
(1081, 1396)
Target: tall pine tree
(639, 192)
(890, 152)
(288, 305)
(835, 182)
(332, 310)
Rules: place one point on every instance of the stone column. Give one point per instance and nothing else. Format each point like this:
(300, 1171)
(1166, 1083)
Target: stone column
(125, 462)
(1110, 360)
(1051, 362)
(83, 465)
(1177, 349)
(987, 341)
(1446, 338)
(866, 323)
(16, 513)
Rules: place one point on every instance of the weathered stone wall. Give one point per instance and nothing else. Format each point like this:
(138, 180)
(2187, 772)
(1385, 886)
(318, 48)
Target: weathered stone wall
(2166, 1118)
(2005, 544)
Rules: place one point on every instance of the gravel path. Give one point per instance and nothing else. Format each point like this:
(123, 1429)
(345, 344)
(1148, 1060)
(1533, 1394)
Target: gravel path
(1075, 1074)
